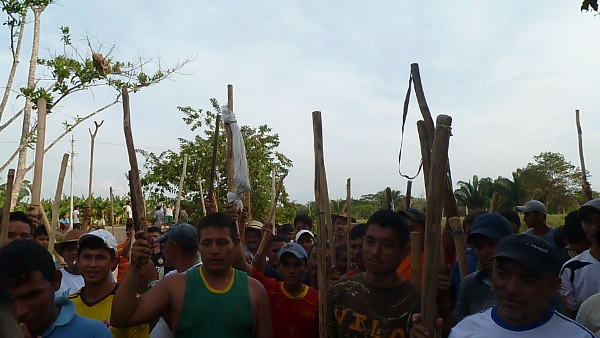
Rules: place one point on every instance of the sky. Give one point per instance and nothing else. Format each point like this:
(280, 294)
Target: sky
(510, 73)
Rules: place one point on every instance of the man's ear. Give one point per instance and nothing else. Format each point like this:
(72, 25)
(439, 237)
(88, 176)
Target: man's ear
(56, 280)
(237, 241)
(115, 263)
(555, 283)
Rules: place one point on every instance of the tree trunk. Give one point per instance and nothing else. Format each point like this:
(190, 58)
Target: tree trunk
(16, 52)
(25, 133)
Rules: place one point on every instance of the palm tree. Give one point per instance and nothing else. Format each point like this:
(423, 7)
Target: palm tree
(470, 194)
(512, 192)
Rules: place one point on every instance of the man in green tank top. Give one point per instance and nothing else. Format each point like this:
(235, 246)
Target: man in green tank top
(213, 300)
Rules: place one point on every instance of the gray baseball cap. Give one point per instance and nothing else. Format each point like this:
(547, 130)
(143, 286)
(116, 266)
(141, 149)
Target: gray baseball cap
(180, 233)
(533, 205)
(587, 207)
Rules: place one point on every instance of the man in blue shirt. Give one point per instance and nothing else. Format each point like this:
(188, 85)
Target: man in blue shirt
(28, 273)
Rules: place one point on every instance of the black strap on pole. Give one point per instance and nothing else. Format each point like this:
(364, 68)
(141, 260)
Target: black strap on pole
(404, 114)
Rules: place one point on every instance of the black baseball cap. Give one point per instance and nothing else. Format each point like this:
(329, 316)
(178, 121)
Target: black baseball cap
(490, 225)
(414, 214)
(532, 252)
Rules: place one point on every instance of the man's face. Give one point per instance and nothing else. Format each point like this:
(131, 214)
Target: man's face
(485, 249)
(313, 262)
(591, 224)
(289, 235)
(340, 227)
(382, 250)
(154, 235)
(43, 240)
(356, 252)
(274, 248)
(216, 249)
(306, 241)
(18, 230)
(95, 265)
(292, 269)
(532, 218)
(414, 226)
(342, 262)
(521, 295)
(252, 239)
(301, 226)
(70, 254)
(33, 303)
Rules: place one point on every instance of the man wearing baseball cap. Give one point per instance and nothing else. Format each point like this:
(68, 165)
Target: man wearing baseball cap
(534, 215)
(580, 274)
(525, 276)
(253, 237)
(294, 305)
(180, 246)
(97, 258)
(306, 239)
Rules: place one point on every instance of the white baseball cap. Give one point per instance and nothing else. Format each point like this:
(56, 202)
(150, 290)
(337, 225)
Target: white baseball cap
(107, 238)
(302, 232)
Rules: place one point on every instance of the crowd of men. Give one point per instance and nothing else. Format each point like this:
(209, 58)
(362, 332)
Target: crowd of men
(202, 281)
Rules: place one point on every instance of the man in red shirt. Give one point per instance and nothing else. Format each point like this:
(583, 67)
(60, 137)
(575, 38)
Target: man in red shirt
(294, 305)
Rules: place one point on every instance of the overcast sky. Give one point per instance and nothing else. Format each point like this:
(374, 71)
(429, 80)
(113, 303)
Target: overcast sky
(510, 73)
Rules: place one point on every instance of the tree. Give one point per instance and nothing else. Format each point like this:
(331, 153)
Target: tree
(68, 72)
(162, 171)
(471, 195)
(511, 192)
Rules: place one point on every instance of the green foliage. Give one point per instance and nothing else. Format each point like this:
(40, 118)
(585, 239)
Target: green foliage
(163, 170)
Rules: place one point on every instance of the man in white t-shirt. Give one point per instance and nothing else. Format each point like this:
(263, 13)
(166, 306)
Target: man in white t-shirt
(534, 215)
(75, 218)
(525, 276)
(580, 274)
(129, 213)
(169, 214)
(71, 279)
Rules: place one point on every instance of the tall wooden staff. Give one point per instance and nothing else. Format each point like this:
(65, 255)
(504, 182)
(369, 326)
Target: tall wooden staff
(137, 197)
(494, 203)
(112, 211)
(57, 199)
(349, 222)
(461, 246)
(181, 180)
(437, 182)
(202, 195)
(213, 167)
(587, 189)
(323, 217)
(86, 220)
(415, 258)
(36, 190)
(6, 208)
(270, 219)
(408, 195)
(389, 199)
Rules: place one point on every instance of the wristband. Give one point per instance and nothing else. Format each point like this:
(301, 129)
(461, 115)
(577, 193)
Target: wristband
(152, 284)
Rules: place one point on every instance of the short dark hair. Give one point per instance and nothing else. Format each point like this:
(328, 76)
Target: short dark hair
(94, 243)
(39, 231)
(219, 220)
(389, 219)
(19, 259)
(357, 231)
(512, 216)
(154, 228)
(20, 216)
(304, 219)
(278, 238)
(573, 230)
(470, 218)
(341, 248)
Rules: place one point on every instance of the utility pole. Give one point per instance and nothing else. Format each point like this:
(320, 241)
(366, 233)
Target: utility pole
(72, 170)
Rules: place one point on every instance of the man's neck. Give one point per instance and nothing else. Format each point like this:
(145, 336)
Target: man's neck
(595, 251)
(186, 262)
(294, 290)
(74, 270)
(541, 230)
(217, 279)
(97, 291)
(340, 240)
(156, 249)
(313, 281)
(383, 281)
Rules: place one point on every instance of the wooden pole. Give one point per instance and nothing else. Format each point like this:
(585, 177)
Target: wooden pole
(202, 195)
(587, 190)
(389, 200)
(461, 246)
(57, 199)
(437, 182)
(213, 165)
(270, 219)
(86, 220)
(137, 196)
(415, 258)
(112, 211)
(408, 195)
(323, 217)
(229, 136)
(493, 203)
(349, 222)
(181, 181)
(36, 190)
(6, 208)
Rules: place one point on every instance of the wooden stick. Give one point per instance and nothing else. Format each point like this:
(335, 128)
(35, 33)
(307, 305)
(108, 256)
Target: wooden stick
(6, 208)
(415, 258)
(112, 211)
(586, 185)
(202, 195)
(36, 190)
(229, 136)
(420, 94)
(181, 180)
(270, 219)
(493, 203)
(425, 152)
(323, 216)
(437, 182)
(57, 199)
(349, 223)
(86, 221)
(461, 246)
(390, 201)
(408, 196)
(137, 196)
(213, 165)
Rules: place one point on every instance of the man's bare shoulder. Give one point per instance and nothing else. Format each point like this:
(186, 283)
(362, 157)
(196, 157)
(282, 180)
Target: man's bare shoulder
(255, 285)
